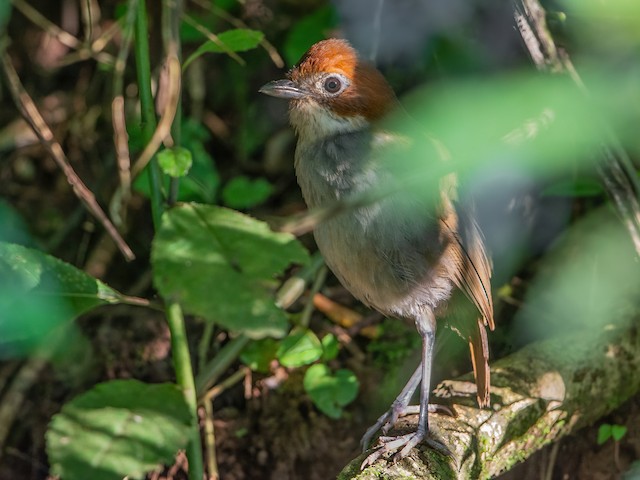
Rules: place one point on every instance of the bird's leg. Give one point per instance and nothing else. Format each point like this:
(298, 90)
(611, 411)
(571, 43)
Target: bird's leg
(399, 406)
(402, 445)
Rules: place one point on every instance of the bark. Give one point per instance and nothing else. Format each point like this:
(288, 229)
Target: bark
(539, 394)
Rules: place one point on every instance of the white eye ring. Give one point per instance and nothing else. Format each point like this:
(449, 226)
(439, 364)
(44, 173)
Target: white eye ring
(332, 85)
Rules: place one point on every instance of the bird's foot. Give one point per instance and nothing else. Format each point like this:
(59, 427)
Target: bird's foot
(389, 419)
(399, 447)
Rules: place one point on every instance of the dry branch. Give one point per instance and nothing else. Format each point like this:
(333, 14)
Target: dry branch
(539, 394)
(32, 115)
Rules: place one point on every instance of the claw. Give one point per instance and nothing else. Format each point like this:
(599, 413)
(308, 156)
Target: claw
(399, 447)
(389, 419)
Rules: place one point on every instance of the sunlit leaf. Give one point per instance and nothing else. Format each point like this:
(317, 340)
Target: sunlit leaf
(300, 347)
(222, 265)
(117, 429)
(202, 181)
(175, 162)
(329, 392)
(39, 293)
(330, 347)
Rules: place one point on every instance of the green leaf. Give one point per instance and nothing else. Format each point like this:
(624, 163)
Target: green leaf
(604, 433)
(307, 31)
(330, 347)
(222, 265)
(117, 429)
(235, 40)
(242, 192)
(202, 181)
(175, 162)
(259, 354)
(330, 392)
(38, 293)
(618, 431)
(300, 347)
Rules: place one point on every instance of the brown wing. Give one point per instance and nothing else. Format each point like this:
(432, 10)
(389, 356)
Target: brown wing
(473, 277)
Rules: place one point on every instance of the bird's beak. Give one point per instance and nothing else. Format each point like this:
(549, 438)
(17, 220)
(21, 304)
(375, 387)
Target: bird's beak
(283, 89)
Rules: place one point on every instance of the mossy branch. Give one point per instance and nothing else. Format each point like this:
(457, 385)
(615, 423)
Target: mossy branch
(541, 393)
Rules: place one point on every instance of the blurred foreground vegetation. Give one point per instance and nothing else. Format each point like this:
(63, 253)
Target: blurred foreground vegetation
(212, 327)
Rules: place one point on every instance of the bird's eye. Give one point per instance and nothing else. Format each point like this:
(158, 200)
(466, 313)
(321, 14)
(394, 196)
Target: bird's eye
(332, 85)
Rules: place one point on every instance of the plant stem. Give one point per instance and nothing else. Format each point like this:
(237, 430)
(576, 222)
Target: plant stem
(210, 441)
(148, 124)
(175, 318)
(184, 377)
(315, 288)
(216, 367)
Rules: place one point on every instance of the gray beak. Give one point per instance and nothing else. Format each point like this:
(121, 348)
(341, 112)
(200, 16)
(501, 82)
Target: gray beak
(283, 89)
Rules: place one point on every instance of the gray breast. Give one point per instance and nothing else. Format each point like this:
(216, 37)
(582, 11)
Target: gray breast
(386, 254)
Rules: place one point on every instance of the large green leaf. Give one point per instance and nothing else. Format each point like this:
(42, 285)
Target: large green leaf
(222, 265)
(117, 429)
(39, 293)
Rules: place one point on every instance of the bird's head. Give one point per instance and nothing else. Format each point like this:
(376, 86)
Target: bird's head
(332, 91)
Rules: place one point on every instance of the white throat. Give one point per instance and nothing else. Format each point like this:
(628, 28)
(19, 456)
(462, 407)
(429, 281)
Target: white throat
(313, 122)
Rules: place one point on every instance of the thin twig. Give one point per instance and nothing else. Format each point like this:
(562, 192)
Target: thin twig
(552, 460)
(86, 7)
(210, 442)
(121, 142)
(31, 114)
(36, 17)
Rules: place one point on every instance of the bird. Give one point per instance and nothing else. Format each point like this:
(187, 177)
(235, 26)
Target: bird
(399, 254)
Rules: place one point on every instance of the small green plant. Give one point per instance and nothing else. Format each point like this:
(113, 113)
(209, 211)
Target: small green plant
(607, 431)
(329, 392)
